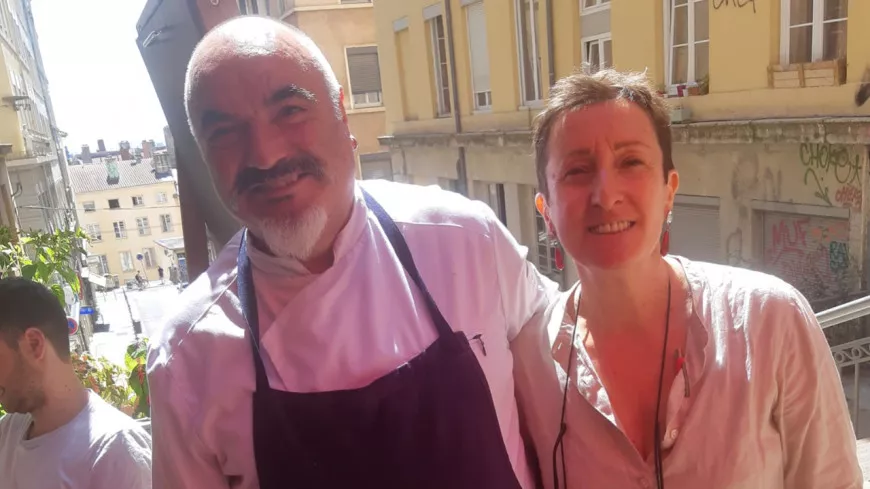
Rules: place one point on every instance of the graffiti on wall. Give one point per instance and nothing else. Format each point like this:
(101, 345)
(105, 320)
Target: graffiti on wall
(829, 166)
(718, 4)
(811, 253)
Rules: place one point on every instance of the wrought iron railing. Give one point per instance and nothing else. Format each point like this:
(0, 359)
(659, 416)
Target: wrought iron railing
(850, 358)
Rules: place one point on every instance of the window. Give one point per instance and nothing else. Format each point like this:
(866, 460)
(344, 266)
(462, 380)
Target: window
(148, 258)
(166, 223)
(364, 76)
(814, 30)
(94, 233)
(592, 5)
(138, 201)
(479, 56)
(689, 46)
(142, 225)
(126, 261)
(439, 58)
(89, 206)
(530, 59)
(598, 52)
(161, 198)
(98, 264)
(114, 204)
(120, 229)
(546, 251)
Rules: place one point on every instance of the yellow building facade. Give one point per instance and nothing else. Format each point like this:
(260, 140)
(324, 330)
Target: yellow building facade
(771, 144)
(125, 211)
(345, 32)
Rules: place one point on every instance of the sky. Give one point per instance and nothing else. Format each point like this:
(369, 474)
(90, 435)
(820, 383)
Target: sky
(98, 82)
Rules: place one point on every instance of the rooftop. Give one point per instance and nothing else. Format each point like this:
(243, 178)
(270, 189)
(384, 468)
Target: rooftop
(95, 177)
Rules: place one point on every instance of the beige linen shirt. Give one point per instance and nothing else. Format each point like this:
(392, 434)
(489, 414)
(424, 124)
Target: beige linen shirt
(765, 407)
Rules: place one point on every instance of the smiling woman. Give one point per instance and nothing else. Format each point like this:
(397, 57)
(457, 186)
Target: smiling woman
(612, 380)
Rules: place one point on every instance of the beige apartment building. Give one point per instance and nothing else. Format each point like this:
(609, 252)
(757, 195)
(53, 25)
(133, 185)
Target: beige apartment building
(126, 207)
(769, 141)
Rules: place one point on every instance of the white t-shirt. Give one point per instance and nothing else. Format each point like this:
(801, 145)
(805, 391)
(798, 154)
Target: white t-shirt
(100, 448)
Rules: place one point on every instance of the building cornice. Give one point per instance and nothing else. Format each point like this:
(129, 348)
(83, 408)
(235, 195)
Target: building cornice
(318, 8)
(839, 130)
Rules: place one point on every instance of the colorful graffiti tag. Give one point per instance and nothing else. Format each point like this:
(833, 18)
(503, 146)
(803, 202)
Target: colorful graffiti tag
(811, 253)
(828, 166)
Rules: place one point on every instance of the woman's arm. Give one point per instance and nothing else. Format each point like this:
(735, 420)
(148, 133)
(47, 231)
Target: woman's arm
(812, 415)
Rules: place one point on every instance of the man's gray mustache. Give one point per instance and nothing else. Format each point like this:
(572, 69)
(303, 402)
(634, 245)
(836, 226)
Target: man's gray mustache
(250, 177)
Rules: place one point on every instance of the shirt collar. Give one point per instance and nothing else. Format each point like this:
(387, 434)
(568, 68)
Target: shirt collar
(276, 265)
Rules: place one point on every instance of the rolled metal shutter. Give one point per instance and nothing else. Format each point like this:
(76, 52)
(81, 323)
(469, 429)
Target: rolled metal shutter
(364, 72)
(809, 252)
(695, 233)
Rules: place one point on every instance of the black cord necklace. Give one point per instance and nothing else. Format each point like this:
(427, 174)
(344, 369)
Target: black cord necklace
(559, 446)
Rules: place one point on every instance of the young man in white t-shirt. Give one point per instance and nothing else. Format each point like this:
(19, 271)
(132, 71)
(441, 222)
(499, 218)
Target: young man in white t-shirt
(57, 433)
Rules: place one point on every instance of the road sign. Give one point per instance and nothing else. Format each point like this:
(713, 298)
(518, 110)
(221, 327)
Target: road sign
(140, 257)
(86, 310)
(73, 326)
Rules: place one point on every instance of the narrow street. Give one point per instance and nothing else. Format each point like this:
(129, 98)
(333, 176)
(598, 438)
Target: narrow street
(149, 306)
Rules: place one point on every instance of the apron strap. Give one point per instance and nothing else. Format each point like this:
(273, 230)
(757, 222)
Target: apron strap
(248, 299)
(400, 247)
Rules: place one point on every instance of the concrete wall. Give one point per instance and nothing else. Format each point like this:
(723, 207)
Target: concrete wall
(134, 243)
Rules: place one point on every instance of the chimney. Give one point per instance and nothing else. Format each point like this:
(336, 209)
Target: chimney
(86, 154)
(101, 146)
(146, 149)
(125, 150)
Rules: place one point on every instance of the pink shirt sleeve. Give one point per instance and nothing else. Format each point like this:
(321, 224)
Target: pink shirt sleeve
(812, 415)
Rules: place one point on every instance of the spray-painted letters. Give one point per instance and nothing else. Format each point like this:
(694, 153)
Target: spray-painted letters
(718, 4)
(828, 165)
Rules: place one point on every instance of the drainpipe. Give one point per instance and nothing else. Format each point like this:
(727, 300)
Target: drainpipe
(461, 169)
(551, 44)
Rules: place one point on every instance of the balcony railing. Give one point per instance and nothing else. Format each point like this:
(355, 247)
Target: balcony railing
(26, 155)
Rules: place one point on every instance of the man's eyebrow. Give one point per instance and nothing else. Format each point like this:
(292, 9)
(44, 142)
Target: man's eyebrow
(290, 91)
(211, 117)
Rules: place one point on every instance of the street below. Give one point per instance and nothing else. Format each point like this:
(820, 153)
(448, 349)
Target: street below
(149, 306)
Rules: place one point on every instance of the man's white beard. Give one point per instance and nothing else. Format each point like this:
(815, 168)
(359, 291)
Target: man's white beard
(292, 238)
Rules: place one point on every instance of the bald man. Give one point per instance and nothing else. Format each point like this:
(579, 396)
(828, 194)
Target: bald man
(354, 334)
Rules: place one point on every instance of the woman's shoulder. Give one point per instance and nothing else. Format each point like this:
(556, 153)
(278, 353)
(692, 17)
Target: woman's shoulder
(734, 285)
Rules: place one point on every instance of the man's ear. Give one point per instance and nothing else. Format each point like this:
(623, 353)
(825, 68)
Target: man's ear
(341, 104)
(33, 344)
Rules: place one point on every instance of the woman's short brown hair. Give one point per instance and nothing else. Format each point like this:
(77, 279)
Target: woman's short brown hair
(581, 90)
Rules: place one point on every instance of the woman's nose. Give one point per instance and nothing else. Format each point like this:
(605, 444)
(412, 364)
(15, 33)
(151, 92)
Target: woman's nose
(605, 189)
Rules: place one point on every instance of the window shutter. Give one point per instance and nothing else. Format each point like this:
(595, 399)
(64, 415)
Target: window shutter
(479, 53)
(363, 70)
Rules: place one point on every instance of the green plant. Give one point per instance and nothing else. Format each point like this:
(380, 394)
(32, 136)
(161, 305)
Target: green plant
(43, 257)
(106, 379)
(138, 380)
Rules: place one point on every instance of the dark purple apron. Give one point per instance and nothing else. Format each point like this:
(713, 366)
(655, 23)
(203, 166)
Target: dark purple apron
(431, 423)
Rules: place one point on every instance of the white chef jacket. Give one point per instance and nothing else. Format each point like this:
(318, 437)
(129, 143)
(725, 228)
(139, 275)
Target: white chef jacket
(341, 329)
(764, 409)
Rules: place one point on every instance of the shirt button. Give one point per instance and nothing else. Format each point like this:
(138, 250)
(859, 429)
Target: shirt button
(674, 434)
(644, 482)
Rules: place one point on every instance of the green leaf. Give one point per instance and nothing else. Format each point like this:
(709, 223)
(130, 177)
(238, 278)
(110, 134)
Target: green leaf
(57, 290)
(28, 271)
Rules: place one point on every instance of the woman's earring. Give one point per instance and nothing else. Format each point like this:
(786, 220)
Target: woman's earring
(666, 235)
(559, 258)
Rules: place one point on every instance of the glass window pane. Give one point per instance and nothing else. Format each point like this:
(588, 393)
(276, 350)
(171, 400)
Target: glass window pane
(589, 3)
(702, 60)
(681, 65)
(592, 56)
(800, 12)
(834, 40)
(680, 2)
(607, 62)
(681, 25)
(836, 9)
(800, 44)
(702, 21)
